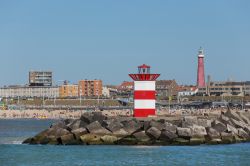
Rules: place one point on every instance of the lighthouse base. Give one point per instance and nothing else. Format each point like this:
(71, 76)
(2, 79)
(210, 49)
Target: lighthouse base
(144, 112)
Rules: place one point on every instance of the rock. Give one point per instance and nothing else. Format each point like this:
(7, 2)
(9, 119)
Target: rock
(170, 127)
(231, 129)
(91, 139)
(242, 134)
(189, 121)
(227, 138)
(180, 141)
(98, 116)
(184, 132)
(76, 124)
(96, 128)
(113, 125)
(57, 132)
(128, 140)
(212, 133)
(87, 118)
(61, 124)
(109, 140)
(243, 117)
(204, 122)
(168, 136)
(197, 141)
(233, 115)
(68, 121)
(219, 126)
(120, 133)
(156, 124)
(79, 132)
(142, 136)
(132, 126)
(68, 140)
(247, 129)
(225, 120)
(153, 132)
(146, 125)
(198, 131)
(238, 124)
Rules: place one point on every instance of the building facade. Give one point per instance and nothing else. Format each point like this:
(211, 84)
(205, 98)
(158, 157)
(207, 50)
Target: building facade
(68, 90)
(166, 88)
(40, 78)
(227, 88)
(90, 88)
(29, 92)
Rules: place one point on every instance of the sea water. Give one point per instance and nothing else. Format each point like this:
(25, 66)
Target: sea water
(12, 153)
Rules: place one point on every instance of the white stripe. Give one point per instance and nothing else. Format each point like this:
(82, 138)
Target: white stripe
(144, 85)
(144, 104)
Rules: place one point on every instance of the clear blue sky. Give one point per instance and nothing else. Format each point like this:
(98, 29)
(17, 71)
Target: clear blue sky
(108, 39)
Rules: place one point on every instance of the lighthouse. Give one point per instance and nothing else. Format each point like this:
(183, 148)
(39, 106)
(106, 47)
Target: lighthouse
(144, 92)
(201, 71)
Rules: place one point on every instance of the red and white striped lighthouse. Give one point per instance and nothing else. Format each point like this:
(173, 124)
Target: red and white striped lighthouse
(144, 92)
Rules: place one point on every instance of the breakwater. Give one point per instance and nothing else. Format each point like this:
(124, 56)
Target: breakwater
(98, 129)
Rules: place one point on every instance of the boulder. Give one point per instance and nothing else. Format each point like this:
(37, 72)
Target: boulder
(120, 133)
(233, 115)
(128, 140)
(108, 139)
(168, 136)
(204, 122)
(198, 131)
(197, 140)
(98, 116)
(189, 121)
(132, 126)
(156, 124)
(76, 124)
(219, 126)
(227, 138)
(225, 120)
(213, 136)
(96, 128)
(57, 132)
(113, 125)
(87, 117)
(243, 117)
(180, 141)
(184, 132)
(153, 132)
(79, 132)
(68, 139)
(242, 134)
(170, 127)
(212, 133)
(142, 136)
(91, 139)
(238, 124)
(231, 129)
(61, 124)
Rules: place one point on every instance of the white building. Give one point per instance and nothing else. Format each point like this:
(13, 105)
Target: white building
(106, 91)
(29, 91)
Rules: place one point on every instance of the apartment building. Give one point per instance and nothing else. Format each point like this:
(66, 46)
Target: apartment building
(68, 90)
(40, 78)
(90, 88)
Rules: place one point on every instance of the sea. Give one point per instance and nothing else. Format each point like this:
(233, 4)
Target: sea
(13, 153)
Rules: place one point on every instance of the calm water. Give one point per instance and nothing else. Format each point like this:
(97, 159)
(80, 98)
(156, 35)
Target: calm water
(12, 153)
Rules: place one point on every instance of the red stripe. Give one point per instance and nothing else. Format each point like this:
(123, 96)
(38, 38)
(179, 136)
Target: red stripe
(148, 95)
(144, 112)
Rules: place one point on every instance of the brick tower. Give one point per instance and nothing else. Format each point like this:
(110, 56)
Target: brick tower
(201, 70)
(144, 92)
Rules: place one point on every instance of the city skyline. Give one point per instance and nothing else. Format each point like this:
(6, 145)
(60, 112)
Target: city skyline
(108, 40)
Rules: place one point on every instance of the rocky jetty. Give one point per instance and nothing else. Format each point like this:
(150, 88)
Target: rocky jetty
(97, 129)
